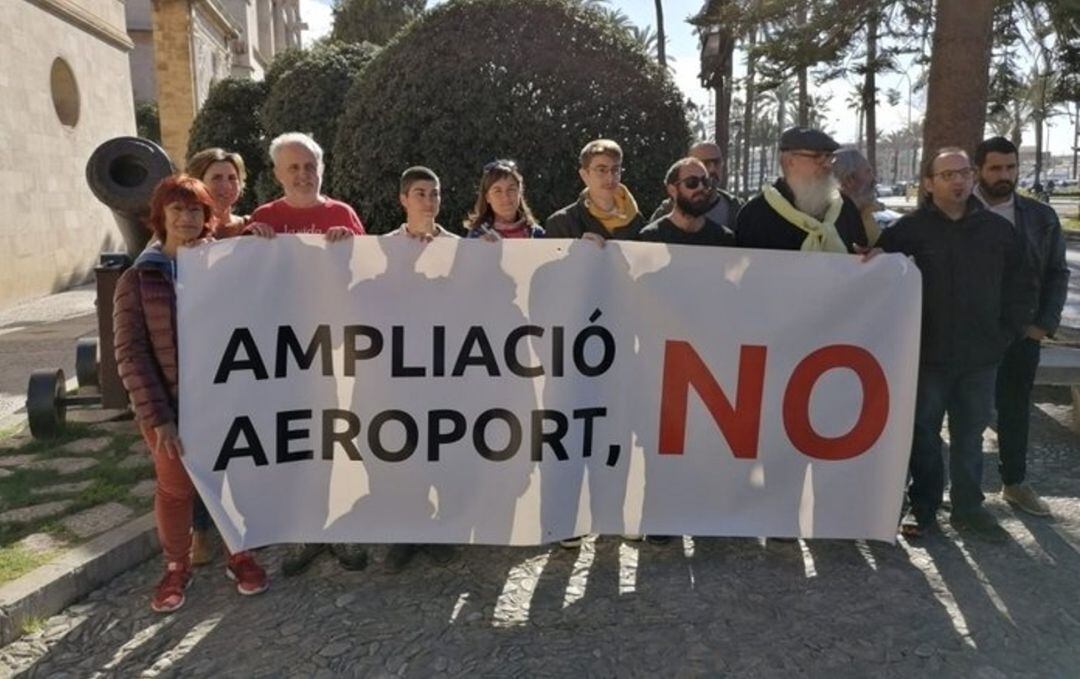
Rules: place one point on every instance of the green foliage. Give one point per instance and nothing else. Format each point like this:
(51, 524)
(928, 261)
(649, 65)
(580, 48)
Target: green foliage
(532, 80)
(309, 97)
(147, 122)
(230, 119)
(374, 21)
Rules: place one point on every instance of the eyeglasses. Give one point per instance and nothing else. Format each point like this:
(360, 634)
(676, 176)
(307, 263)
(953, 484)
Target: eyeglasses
(501, 164)
(605, 171)
(949, 175)
(692, 182)
(816, 156)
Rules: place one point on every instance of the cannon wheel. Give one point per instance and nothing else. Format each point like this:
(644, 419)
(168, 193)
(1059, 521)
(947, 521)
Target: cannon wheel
(45, 407)
(86, 362)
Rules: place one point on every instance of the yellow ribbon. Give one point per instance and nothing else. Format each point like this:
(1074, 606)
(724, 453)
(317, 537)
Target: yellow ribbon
(820, 236)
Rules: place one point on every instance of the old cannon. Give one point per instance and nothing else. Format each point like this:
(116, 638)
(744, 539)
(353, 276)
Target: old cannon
(122, 174)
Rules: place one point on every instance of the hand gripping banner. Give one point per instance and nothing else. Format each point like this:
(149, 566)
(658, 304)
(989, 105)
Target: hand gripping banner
(520, 392)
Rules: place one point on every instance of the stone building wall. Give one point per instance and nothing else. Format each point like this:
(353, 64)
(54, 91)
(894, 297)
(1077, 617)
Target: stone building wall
(51, 226)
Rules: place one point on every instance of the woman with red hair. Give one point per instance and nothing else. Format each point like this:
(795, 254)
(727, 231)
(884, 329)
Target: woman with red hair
(144, 326)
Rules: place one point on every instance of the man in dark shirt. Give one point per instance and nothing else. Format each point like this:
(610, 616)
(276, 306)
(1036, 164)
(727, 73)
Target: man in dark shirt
(803, 210)
(687, 184)
(723, 207)
(977, 295)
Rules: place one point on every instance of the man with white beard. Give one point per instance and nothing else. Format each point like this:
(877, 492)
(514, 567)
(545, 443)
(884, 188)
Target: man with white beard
(803, 209)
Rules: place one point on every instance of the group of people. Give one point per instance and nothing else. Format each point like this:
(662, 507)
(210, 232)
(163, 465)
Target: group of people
(992, 263)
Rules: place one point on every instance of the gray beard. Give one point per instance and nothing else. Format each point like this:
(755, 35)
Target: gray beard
(815, 197)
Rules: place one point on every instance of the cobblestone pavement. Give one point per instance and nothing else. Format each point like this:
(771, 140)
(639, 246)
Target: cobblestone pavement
(944, 607)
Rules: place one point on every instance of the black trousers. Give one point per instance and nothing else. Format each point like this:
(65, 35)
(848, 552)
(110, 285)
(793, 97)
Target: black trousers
(1015, 378)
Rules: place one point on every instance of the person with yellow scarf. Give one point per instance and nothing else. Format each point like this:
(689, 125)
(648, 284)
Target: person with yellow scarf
(605, 208)
(803, 210)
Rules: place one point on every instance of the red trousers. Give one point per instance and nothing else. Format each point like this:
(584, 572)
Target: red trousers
(173, 501)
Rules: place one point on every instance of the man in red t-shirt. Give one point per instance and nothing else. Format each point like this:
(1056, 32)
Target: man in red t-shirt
(298, 167)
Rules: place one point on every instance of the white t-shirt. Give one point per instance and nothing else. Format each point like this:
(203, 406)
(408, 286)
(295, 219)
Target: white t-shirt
(439, 231)
(1006, 209)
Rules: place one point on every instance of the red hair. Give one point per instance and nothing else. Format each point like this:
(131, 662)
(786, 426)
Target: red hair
(178, 188)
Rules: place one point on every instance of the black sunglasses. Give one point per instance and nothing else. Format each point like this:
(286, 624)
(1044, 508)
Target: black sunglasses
(693, 182)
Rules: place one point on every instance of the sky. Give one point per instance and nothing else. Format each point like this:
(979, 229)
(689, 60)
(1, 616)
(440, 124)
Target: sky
(842, 121)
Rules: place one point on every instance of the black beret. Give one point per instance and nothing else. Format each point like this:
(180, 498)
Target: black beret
(807, 139)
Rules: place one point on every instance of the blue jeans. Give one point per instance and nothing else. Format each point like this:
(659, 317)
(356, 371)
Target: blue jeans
(967, 396)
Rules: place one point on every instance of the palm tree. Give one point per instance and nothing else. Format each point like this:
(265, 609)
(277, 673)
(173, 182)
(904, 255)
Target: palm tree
(959, 74)
(661, 39)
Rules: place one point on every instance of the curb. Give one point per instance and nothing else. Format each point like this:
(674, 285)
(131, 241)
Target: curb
(50, 588)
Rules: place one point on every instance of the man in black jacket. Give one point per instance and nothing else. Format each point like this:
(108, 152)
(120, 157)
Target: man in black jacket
(996, 161)
(605, 208)
(977, 295)
(803, 210)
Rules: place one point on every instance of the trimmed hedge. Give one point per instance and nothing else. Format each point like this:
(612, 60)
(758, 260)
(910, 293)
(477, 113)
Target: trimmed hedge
(532, 80)
(308, 96)
(230, 119)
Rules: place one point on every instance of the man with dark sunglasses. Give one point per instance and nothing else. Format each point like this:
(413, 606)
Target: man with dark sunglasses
(689, 190)
(803, 209)
(723, 207)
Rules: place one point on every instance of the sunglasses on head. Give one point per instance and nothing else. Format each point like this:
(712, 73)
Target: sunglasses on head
(501, 165)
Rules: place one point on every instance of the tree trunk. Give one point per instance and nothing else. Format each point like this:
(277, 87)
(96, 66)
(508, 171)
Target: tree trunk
(723, 109)
(761, 164)
(748, 112)
(862, 128)
(959, 75)
(661, 51)
(801, 72)
(870, 90)
(1038, 148)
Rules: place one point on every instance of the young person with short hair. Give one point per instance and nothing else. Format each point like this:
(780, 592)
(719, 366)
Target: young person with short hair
(605, 208)
(420, 195)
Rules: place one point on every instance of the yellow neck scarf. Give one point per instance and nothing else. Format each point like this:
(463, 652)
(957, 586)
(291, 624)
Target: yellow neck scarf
(623, 213)
(820, 236)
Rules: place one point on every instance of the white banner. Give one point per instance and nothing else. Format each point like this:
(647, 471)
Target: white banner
(384, 390)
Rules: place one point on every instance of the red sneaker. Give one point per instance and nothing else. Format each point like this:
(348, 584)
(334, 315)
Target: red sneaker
(169, 593)
(249, 576)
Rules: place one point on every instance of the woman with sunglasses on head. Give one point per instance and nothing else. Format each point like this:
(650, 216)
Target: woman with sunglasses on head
(500, 210)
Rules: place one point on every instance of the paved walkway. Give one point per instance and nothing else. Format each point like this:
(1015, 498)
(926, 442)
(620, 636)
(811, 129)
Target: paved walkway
(945, 607)
(41, 334)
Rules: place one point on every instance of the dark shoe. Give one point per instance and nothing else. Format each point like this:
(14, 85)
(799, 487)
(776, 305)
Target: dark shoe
(440, 554)
(298, 557)
(919, 524)
(352, 557)
(398, 557)
(979, 522)
(658, 539)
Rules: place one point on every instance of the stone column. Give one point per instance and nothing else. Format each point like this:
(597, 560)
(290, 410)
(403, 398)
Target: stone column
(175, 79)
(279, 26)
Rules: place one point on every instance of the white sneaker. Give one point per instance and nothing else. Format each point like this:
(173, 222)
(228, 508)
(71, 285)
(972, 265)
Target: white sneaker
(1023, 497)
(570, 543)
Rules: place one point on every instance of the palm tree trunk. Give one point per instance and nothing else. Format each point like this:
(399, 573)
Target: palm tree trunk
(748, 112)
(801, 72)
(959, 75)
(870, 90)
(661, 53)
